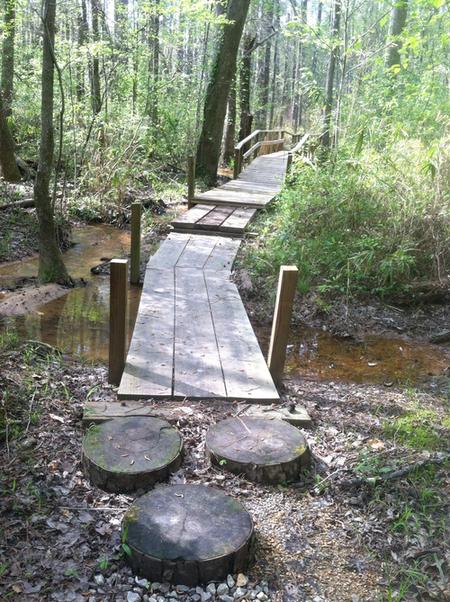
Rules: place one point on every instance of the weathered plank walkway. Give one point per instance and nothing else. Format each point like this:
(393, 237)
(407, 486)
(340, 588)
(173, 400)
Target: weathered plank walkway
(229, 209)
(192, 337)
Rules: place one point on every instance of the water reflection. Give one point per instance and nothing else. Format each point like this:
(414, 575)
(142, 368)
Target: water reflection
(78, 322)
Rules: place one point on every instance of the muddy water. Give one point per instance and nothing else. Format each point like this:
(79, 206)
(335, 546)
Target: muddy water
(76, 323)
(315, 354)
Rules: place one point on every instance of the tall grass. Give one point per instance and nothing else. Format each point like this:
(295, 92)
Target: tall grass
(361, 223)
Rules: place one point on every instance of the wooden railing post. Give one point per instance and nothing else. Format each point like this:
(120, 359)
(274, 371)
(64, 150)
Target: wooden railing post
(118, 302)
(136, 212)
(289, 162)
(287, 285)
(191, 181)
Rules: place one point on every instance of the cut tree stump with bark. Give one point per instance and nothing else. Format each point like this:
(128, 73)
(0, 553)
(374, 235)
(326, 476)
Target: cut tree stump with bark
(128, 454)
(187, 534)
(265, 451)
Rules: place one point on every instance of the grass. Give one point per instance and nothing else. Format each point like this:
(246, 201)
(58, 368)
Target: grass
(417, 429)
(373, 222)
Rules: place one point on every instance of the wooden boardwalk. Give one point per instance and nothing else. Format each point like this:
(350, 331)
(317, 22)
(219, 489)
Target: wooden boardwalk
(229, 209)
(192, 337)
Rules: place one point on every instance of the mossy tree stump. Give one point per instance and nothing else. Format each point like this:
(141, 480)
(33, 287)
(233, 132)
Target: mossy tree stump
(126, 454)
(187, 534)
(265, 451)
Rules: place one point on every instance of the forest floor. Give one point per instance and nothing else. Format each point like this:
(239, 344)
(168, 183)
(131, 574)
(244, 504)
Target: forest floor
(352, 529)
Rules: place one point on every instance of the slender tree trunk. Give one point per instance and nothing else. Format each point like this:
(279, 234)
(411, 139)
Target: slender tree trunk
(223, 70)
(230, 133)
(318, 24)
(83, 31)
(95, 75)
(154, 67)
(51, 265)
(275, 68)
(246, 117)
(398, 21)
(8, 163)
(9, 34)
(264, 76)
(121, 20)
(326, 135)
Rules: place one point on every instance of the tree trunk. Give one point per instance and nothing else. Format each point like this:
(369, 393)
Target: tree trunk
(230, 134)
(83, 30)
(154, 65)
(9, 33)
(325, 137)
(51, 265)
(223, 70)
(121, 19)
(398, 21)
(8, 163)
(95, 75)
(246, 119)
(264, 76)
(315, 51)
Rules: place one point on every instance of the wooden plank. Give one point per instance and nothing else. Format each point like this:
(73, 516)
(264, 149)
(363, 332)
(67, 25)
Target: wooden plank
(245, 371)
(190, 217)
(135, 259)
(287, 285)
(214, 218)
(118, 314)
(223, 255)
(99, 411)
(148, 370)
(196, 252)
(197, 369)
(238, 220)
(169, 251)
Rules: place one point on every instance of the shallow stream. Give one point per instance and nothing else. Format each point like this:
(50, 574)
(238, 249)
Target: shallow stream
(77, 323)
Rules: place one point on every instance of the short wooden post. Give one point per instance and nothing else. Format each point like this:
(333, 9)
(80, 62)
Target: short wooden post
(237, 162)
(289, 162)
(118, 302)
(191, 181)
(136, 211)
(287, 285)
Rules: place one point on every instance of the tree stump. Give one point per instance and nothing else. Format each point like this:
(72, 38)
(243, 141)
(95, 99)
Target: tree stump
(187, 534)
(127, 454)
(265, 451)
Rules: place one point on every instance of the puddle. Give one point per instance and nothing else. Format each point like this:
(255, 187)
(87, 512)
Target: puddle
(78, 322)
(316, 354)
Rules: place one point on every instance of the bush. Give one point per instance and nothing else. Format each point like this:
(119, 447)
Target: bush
(371, 223)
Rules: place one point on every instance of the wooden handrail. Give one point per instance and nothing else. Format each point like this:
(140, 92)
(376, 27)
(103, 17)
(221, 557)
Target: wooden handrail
(260, 144)
(240, 156)
(299, 146)
(244, 141)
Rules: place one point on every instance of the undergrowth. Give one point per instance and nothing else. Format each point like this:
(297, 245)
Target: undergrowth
(362, 222)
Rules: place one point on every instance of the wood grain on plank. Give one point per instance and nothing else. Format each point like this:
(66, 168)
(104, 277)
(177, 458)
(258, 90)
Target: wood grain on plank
(169, 251)
(148, 369)
(238, 220)
(197, 369)
(223, 255)
(192, 215)
(245, 370)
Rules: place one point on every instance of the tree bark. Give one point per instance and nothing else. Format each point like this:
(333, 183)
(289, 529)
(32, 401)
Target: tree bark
(51, 265)
(8, 163)
(154, 65)
(83, 30)
(223, 70)
(95, 75)
(9, 33)
(246, 118)
(398, 21)
(326, 137)
(230, 134)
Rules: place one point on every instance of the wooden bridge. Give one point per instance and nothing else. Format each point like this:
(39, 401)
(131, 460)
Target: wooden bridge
(192, 337)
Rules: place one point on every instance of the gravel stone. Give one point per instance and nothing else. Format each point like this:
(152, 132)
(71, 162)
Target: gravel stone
(241, 580)
(211, 588)
(230, 581)
(262, 596)
(142, 582)
(240, 592)
(133, 597)
(99, 580)
(227, 598)
(222, 589)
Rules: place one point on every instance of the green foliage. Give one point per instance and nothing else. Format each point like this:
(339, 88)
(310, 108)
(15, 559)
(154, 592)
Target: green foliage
(417, 429)
(358, 224)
